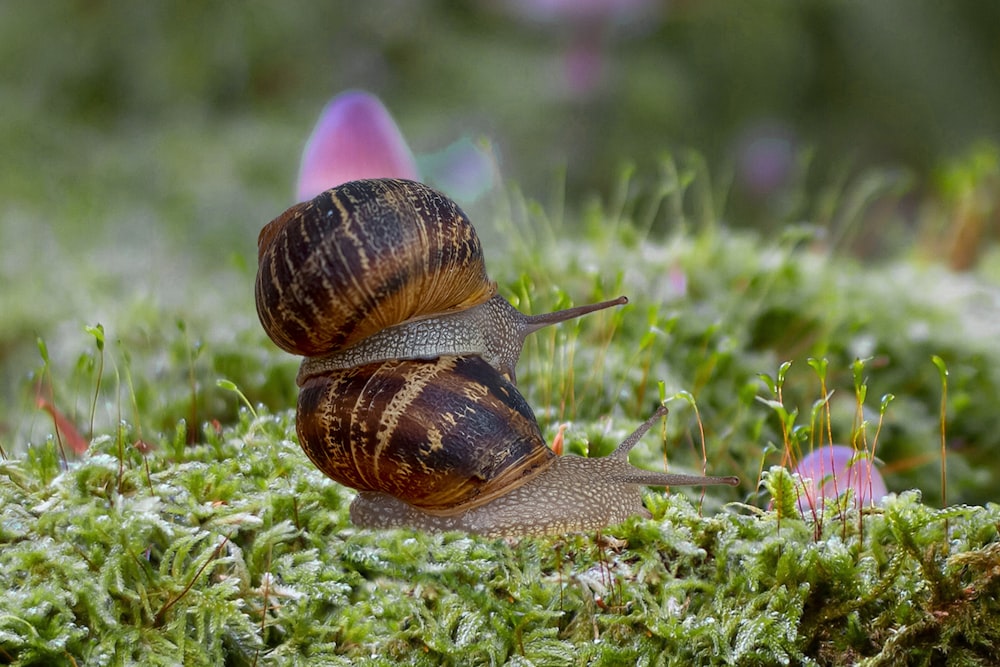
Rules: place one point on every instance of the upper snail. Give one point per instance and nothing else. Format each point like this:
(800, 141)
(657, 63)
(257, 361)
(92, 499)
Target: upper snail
(407, 386)
(385, 269)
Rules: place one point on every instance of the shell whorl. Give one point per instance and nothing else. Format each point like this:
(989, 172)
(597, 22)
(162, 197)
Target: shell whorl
(363, 257)
(444, 436)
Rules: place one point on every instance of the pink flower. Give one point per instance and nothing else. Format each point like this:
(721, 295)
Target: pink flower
(354, 138)
(828, 472)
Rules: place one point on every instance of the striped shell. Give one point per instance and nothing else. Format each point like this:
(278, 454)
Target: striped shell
(443, 436)
(362, 257)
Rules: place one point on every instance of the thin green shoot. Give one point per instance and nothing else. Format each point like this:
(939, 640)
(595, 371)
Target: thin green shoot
(139, 442)
(97, 331)
(617, 209)
(688, 398)
(943, 372)
(46, 380)
(229, 385)
(192, 353)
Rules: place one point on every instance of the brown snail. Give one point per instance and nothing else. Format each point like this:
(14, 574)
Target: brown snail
(382, 269)
(407, 390)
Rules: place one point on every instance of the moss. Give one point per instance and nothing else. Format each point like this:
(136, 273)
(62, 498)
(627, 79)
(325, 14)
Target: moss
(243, 554)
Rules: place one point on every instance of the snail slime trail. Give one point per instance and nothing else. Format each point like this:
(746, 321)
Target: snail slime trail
(407, 386)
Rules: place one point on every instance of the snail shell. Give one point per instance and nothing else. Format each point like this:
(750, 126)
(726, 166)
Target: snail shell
(422, 432)
(383, 269)
(363, 257)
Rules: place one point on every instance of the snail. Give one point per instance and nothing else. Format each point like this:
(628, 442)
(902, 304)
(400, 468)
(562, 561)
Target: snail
(384, 269)
(407, 390)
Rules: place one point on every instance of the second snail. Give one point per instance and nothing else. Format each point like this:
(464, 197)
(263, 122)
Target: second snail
(407, 388)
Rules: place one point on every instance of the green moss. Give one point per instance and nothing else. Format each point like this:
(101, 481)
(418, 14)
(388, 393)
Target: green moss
(244, 554)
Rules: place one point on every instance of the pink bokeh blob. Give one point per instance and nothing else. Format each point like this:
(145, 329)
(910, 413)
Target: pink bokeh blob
(354, 138)
(828, 472)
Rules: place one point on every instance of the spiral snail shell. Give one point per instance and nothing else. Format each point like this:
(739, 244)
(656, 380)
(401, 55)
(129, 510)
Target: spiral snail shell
(361, 258)
(407, 390)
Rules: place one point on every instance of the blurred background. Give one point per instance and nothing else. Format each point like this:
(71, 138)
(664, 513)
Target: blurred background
(144, 145)
(777, 97)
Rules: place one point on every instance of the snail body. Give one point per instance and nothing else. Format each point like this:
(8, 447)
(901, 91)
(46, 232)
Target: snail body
(494, 330)
(456, 440)
(416, 407)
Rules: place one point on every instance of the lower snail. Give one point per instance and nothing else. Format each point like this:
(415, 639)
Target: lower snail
(417, 410)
